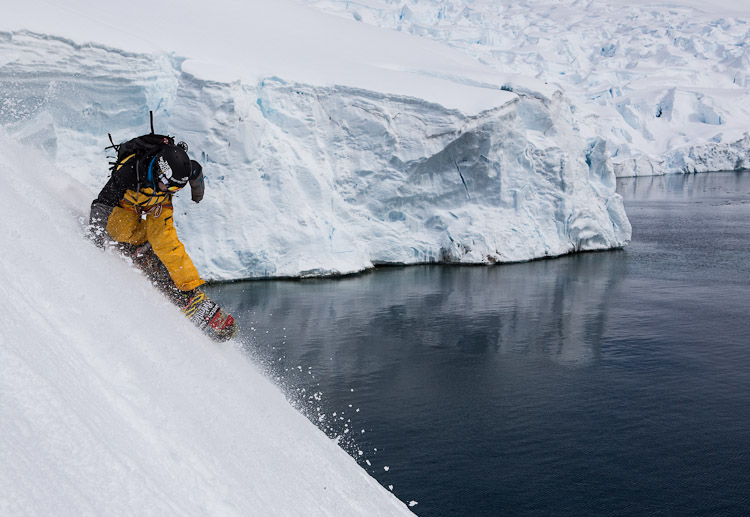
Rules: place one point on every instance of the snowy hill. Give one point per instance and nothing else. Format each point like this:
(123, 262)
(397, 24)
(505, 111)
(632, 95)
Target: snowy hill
(112, 404)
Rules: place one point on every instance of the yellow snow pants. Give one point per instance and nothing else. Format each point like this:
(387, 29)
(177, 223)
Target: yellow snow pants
(127, 226)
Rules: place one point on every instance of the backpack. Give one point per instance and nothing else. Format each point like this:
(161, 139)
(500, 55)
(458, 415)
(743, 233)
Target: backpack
(141, 146)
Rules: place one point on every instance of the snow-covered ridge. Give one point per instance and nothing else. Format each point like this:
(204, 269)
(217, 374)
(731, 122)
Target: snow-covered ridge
(666, 83)
(310, 180)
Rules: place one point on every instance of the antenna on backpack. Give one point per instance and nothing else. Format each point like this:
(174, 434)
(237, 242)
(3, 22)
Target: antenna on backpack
(151, 115)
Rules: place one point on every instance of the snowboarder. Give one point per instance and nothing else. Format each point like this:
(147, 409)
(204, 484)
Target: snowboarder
(135, 206)
(134, 212)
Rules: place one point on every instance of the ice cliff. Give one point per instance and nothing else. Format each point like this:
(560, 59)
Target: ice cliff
(310, 179)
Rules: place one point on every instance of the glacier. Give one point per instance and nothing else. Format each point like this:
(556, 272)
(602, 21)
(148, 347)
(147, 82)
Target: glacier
(309, 180)
(353, 134)
(665, 83)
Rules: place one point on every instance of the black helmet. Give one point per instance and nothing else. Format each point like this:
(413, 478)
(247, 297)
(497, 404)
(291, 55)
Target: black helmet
(172, 167)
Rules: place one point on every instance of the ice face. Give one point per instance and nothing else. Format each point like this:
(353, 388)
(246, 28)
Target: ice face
(352, 178)
(312, 180)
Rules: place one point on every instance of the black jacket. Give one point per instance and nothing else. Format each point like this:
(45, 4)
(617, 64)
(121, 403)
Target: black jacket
(133, 175)
(126, 177)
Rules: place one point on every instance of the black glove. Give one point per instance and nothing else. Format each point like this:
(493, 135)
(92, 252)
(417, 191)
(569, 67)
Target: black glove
(98, 224)
(196, 181)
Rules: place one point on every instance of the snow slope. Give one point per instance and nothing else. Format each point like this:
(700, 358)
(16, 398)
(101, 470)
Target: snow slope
(665, 82)
(106, 412)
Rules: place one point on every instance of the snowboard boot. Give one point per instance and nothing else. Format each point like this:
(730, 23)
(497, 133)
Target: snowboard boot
(206, 314)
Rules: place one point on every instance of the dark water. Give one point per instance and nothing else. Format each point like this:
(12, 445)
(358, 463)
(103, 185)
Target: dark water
(613, 383)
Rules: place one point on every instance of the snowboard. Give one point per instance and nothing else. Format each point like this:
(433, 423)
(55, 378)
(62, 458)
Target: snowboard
(201, 310)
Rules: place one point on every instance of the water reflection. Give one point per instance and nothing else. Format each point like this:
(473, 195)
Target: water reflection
(727, 186)
(556, 308)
